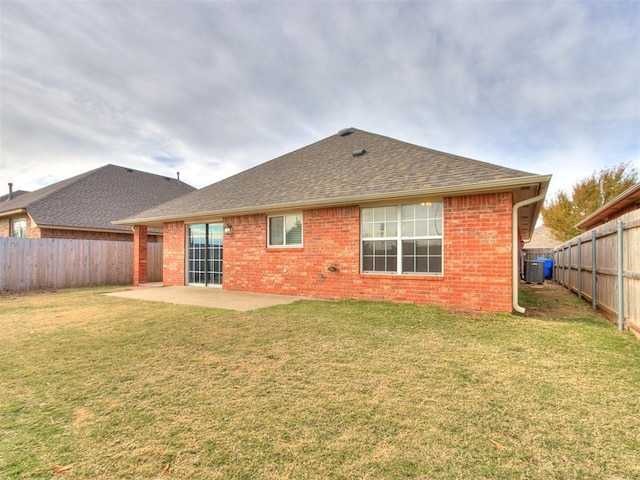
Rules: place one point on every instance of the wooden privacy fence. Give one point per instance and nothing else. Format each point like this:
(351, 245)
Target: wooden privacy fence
(41, 263)
(603, 266)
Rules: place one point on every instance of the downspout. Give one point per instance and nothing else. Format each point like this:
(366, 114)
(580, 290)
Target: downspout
(515, 281)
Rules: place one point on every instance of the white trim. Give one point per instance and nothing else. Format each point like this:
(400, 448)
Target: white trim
(399, 238)
(448, 191)
(284, 230)
(187, 258)
(200, 285)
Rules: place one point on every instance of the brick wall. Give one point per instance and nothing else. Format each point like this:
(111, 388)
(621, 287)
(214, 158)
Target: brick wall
(140, 259)
(173, 254)
(35, 232)
(93, 235)
(85, 235)
(477, 258)
(5, 227)
(478, 251)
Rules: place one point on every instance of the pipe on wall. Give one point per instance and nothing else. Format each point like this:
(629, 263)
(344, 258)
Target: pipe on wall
(515, 281)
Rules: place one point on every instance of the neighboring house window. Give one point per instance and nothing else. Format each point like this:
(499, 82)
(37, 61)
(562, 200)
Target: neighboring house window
(402, 239)
(19, 227)
(285, 230)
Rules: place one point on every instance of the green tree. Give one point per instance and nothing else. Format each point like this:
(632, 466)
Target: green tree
(561, 213)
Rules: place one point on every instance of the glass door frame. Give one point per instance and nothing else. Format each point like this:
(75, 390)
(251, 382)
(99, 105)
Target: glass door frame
(204, 259)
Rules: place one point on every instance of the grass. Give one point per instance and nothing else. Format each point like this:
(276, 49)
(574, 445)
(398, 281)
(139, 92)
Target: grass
(115, 388)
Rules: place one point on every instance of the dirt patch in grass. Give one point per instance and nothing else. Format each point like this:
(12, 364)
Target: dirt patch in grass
(551, 300)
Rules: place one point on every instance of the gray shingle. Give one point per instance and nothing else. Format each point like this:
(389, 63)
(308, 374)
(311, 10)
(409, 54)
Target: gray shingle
(96, 198)
(328, 170)
(17, 193)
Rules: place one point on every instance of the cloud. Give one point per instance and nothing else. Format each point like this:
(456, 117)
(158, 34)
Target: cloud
(212, 88)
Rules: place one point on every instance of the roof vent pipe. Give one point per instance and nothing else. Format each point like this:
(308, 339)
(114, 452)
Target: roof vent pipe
(178, 176)
(359, 152)
(10, 191)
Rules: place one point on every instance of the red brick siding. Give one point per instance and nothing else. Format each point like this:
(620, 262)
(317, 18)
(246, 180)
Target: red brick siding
(477, 258)
(32, 230)
(173, 254)
(477, 252)
(5, 227)
(140, 262)
(36, 232)
(89, 235)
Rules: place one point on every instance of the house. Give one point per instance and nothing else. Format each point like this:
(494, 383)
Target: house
(356, 215)
(84, 206)
(626, 202)
(542, 239)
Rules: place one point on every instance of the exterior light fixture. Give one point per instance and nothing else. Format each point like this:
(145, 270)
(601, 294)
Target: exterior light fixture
(228, 229)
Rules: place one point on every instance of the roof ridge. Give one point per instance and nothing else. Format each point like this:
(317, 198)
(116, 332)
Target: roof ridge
(440, 152)
(129, 169)
(326, 171)
(67, 183)
(96, 198)
(43, 193)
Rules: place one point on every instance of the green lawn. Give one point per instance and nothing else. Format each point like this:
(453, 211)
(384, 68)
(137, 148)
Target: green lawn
(113, 388)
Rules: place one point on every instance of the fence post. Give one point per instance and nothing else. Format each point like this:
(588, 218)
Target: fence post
(580, 267)
(562, 266)
(620, 276)
(570, 266)
(594, 277)
(559, 271)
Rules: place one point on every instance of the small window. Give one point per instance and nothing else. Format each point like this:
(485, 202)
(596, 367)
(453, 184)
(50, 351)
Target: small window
(19, 227)
(285, 230)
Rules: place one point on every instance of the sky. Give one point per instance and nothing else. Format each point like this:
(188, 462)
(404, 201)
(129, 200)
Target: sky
(211, 88)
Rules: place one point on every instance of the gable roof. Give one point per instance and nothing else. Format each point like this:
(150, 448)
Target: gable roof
(626, 201)
(93, 200)
(350, 167)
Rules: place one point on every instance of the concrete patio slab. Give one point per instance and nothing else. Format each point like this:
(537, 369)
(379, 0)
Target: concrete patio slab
(205, 297)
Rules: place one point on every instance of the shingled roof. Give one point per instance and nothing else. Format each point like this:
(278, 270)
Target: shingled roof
(17, 193)
(349, 167)
(93, 200)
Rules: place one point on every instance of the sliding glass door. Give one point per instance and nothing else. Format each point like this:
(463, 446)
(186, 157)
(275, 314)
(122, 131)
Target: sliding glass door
(204, 254)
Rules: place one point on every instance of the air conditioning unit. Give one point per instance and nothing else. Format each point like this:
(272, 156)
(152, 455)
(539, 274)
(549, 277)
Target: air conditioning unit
(533, 271)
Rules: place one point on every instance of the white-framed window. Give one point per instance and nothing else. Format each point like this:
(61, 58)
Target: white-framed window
(402, 239)
(19, 227)
(285, 230)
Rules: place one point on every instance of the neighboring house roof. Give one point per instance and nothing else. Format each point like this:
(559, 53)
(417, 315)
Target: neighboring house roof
(17, 193)
(350, 167)
(93, 200)
(542, 238)
(626, 201)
